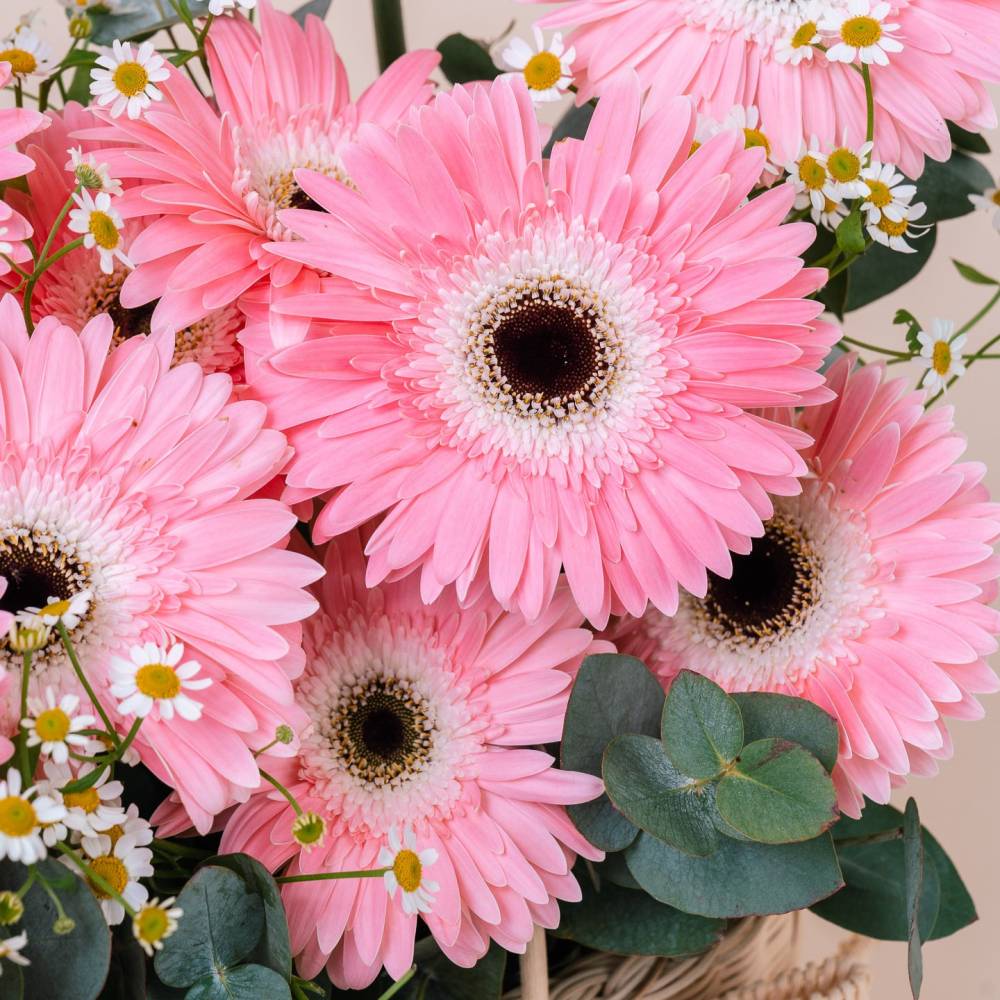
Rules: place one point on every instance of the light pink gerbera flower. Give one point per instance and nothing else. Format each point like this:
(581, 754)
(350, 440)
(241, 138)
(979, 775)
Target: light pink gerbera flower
(217, 179)
(419, 716)
(537, 375)
(868, 594)
(74, 290)
(131, 481)
(15, 124)
(723, 52)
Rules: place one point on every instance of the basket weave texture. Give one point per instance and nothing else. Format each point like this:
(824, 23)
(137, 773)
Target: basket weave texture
(754, 961)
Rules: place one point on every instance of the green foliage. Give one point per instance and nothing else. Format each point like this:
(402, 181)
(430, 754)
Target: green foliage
(626, 922)
(874, 900)
(740, 878)
(971, 274)
(318, 8)
(465, 61)
(572, 125)
(612, 695)
(702, 727)
(913, 326)
(913, 856)
(971, 142)
(945, 187)
(244, 982)
(782, 716)
(70, 966)
(144, 18)
(851, 234)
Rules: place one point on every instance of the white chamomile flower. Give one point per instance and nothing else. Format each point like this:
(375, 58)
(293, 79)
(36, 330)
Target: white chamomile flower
(941, 354)
(69, 611)
(894, 233)
(88, 812)
(889, 193)
(800, 46)
(747, 121)
(120, 864)
(155, 922)
(218, 7)
(101, 225)
(846, 165)
(22, 813)
(861, 32)
(810, 178)
(27, 54)
(547, 70)
(154, 675)
(405, 865)
(132, 825)
(91, 174)
(831, 215)
(989, 201)
(53, 726)
(126, 80)
(11, 948)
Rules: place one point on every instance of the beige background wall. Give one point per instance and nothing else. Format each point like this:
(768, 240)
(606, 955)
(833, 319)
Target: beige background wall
(962, 805)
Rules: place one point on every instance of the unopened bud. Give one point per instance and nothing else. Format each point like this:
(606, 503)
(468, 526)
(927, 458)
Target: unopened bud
(64, 925)
(284, 734)
(28, 638)
(80, 26)
(11, 907)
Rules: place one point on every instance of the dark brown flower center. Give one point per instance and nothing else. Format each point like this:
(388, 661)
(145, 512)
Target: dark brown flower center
(36, 571)
(131, 322)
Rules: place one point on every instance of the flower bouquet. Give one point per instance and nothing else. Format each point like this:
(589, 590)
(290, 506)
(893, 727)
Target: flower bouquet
(449, 520)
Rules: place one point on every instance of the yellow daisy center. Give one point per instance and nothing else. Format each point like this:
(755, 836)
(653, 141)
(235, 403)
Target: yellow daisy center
(695, 146)
(941, 357)
(829, 206)
(891, 228)
(861, 31)
(52, 725)
(131, 78)
(844, 165)
(112, 871)
(755, 139)
(812, 173)
(157, 680)
(21, 62)
(105, 232)
(17, 816)
(152, 924)
(543, 71)
(408, 871)
(995, 197)
(880, 194)
(115, 834)
(58, 608)
(804, 35)
(88, 800)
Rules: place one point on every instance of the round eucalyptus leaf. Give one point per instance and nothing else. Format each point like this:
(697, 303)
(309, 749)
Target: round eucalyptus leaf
(702, 728)
(245, 982)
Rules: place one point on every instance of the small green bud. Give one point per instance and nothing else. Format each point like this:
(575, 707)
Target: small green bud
(284, 734)
(309, 830)
(80, 26)
(11, 907)
(64, 925)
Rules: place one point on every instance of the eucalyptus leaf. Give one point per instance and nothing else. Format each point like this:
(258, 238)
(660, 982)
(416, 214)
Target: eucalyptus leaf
(643, 783)
(765, 714)
(777, 793)
(945, 187)
(318, 8)
(484, 981)
(626, 922)
(83, 955)
(971, 142)
(913, 854)
(740, 878)
(245, 982)
(971, 274)
(702, 728)
(465, 61)
(143, 17)
(572, 125)
(223, 921)
(612, 695)
(881, 271)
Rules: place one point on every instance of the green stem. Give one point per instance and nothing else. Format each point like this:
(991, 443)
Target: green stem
(127, 742)
(18, 93)
(842, 266)
(13, 265)
(866, 75)
(326, 876)
(981, 314)
(899, 355)
(50, 892)
(42, 262)
(390, 36)
(78, 670)
(93, 877)
(24, 763)
(281, 788)
(28, 883)
(399, 983)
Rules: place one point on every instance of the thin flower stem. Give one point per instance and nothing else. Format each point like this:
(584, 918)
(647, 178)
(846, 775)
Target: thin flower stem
(96, 879)
(898, 355)
(981, 314)
(42, 263)
(28, 883)
(52, 894)
(78, 670)
(866, 75)
(399, 983)
(284, 791)
(13, 265)
(24, 761)
(390, 36)
(127, 742)
(325, 876)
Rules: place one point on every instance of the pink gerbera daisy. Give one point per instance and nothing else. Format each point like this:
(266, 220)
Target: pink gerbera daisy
(868, 593)
(74, 290)
(549, 368)
(749, 52)
(218, 179)
(130, 482)
(419, 716)
(15, 124)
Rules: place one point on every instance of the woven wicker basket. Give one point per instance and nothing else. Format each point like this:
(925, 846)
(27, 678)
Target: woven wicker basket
(754, 961)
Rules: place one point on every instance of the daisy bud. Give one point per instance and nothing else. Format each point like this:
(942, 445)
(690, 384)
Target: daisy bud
(28, 638)
(284, 734)
(309, 830)
(64, 925)
(80, 27)
(11, 908)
